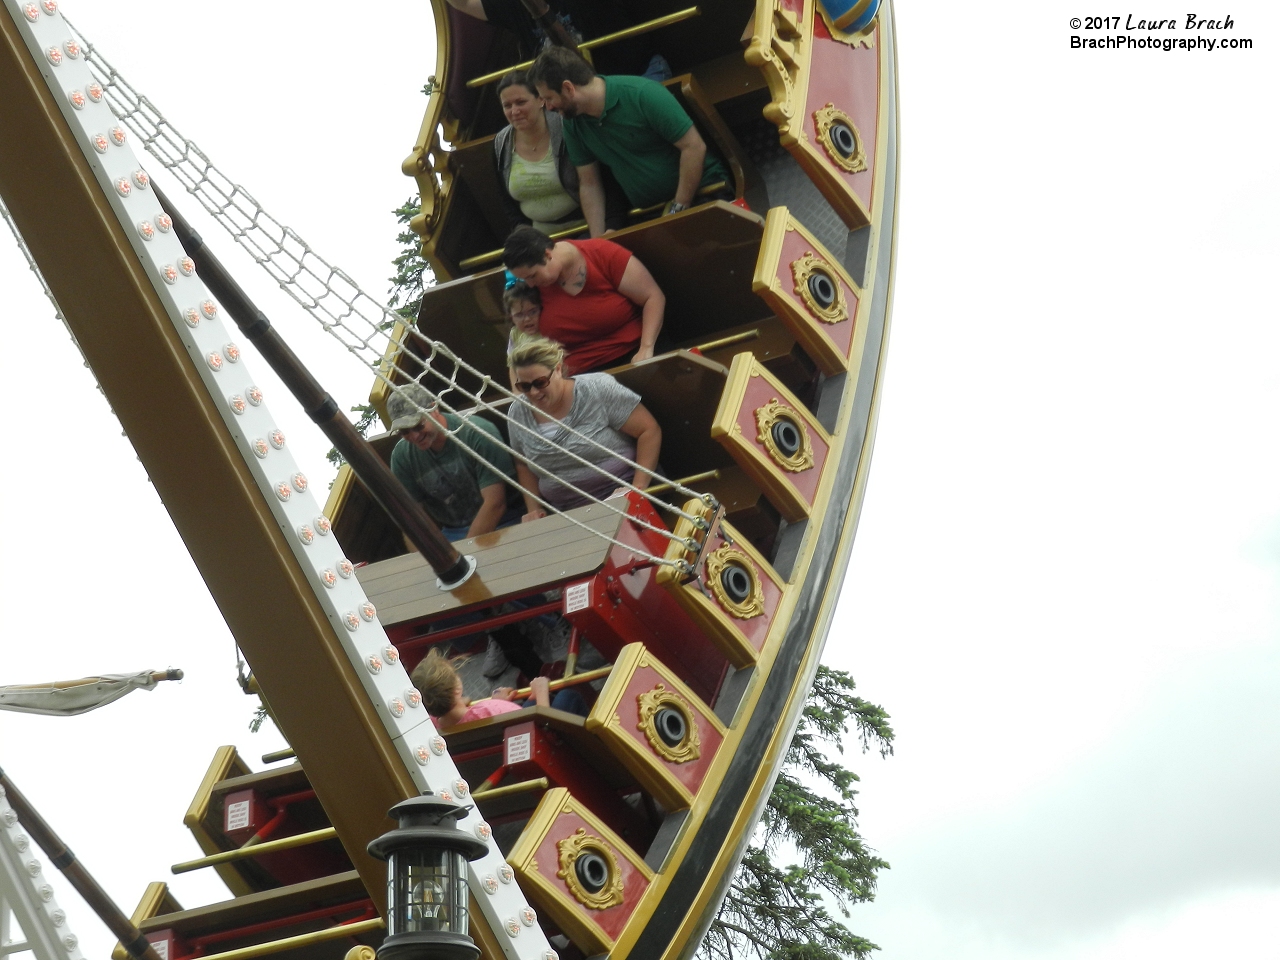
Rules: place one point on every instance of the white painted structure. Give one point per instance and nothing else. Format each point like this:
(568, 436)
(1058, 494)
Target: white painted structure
(27, 895)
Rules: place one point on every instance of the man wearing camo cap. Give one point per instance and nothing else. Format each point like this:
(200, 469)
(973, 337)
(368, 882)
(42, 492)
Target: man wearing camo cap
(463, 496)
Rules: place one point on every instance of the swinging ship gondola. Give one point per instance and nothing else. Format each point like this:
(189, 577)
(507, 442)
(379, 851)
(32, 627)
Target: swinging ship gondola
(778, 304)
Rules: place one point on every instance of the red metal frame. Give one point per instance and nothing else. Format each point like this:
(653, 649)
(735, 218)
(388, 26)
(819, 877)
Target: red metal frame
(200, 943)
(478, 626)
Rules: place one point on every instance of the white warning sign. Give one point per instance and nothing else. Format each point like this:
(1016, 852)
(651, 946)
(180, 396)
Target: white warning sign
(577, 597)
(519, 748)
(238, 815)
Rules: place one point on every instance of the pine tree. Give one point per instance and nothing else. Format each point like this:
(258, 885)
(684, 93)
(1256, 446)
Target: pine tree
(778, 913)
(413, 275)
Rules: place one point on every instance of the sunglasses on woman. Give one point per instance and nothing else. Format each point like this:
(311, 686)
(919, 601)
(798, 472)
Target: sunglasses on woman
(524, 386)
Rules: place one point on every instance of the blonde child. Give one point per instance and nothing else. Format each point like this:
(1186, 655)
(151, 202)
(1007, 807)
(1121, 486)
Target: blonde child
(441, 688)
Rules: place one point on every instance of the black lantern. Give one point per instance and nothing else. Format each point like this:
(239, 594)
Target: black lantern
(427, 881)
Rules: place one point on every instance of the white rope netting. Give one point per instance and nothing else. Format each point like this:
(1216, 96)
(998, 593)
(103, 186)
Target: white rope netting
(375, 335)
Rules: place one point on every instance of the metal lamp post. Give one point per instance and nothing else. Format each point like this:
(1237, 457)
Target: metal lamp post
(427, 859)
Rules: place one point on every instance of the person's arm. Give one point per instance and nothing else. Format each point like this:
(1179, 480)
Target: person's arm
(491, 510)
(693, 151)
(540, 687)
(482, 436)
(640, 288)
(472, 8)
(403, 472)
(648, 436)
(529, 482)
(591, 195)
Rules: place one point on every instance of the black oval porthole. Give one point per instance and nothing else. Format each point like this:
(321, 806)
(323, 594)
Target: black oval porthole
(592, 871)
(671, 726)
(823, 289)
(787, 436)
(736, 580)
(842, 139)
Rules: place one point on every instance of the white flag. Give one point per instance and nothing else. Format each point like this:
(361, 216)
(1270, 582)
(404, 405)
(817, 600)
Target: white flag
(68, 698)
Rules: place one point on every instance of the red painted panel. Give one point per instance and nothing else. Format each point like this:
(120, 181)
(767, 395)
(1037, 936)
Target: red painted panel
(756, 630)
(795, 246)
(627, 605)
(551, 757)
(759, 392)
(690, 774)
(849, 77)
(614, 919)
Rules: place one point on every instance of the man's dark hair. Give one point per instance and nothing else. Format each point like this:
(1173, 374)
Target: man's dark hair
(526, 247)
(516, 78)
(555, 65)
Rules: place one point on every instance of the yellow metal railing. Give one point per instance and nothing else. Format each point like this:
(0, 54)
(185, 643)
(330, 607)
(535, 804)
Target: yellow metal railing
(640, 28)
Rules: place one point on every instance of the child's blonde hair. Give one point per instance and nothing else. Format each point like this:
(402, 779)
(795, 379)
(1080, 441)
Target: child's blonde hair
(437, 681)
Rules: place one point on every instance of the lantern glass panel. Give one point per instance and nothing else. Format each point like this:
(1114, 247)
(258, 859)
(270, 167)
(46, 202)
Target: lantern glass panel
(427, 891)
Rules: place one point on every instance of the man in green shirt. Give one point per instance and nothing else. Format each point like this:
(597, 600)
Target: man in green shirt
(462, 495)
(634, 127)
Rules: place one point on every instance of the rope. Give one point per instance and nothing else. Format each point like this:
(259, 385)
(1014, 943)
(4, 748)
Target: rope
(466, 416)
(343, 310)
(478, 403)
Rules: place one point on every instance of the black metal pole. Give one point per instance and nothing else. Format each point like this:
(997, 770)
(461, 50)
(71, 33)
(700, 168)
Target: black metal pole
(546, 18)
(451, 567)
(129, 936)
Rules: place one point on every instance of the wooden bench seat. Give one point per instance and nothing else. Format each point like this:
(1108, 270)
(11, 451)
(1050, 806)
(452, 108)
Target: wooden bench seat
(476, 222)
(517, 560)
(703, 259)
(272, 907)
(540, 742)
(228, 774)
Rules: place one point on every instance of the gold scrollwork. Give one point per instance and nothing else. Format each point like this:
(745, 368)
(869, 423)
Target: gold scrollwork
(753, 605)
(831, 116)
(779, 48)
(571, 848)
(802, 270)
(660, 698)
(772, 414)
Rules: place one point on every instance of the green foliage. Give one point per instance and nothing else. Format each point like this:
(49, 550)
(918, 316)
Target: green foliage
(413, 273)
(259, 718)
(777, 913)
(367, 416)
(413, 276)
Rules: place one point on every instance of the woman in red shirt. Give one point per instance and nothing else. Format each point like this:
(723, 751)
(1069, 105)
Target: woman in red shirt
(597, 299)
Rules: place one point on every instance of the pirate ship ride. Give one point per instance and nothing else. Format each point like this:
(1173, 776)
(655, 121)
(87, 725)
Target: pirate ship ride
(710, 596)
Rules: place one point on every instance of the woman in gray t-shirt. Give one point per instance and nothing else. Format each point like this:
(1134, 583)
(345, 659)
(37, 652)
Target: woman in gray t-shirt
(596, 406)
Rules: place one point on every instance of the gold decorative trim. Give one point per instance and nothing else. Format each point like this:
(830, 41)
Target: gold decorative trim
(780, 48)
(726, 556)
(864, 38)
(660, 698)
(802, 270)
(824, 118)
(571, 848)
(766, 418)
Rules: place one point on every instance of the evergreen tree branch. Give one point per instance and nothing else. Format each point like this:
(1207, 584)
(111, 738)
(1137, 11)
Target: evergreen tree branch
(771, 913)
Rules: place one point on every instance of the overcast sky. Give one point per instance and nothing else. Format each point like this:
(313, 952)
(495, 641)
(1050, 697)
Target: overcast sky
(1064, 584)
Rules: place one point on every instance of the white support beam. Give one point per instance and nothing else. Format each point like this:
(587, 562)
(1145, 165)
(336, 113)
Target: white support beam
(25, 891)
